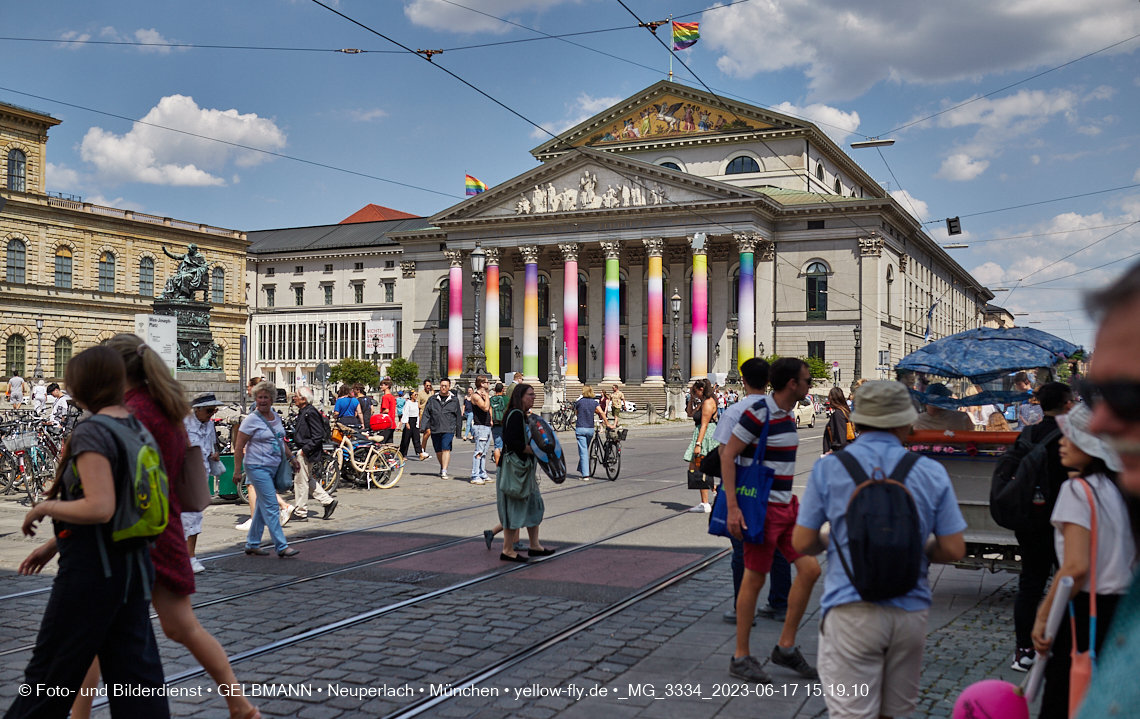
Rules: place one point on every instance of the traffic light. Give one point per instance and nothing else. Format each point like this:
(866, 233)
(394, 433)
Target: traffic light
(953, 226)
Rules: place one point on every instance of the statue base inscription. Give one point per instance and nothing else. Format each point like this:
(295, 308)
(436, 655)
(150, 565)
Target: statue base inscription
(197, 351)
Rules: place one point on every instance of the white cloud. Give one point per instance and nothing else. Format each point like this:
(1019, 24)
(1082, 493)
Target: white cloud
(367, 115)
(845, 48)
(960, 167)
(583, 108)
(155, 40)
(118, 202)
(1090, 130)
(439, 15)
(1035, 159)
(156, 43)
(835, 123)
(912, 204)
(80, 38)
(61, 178)
(157, 156)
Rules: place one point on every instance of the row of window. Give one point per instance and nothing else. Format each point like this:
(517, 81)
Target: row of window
(357, 294)
(300, 269)
(736, 166)
(15, 355)
(302, 342)
(16, 272)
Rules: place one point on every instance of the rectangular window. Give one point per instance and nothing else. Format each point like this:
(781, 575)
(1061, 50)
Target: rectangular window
(271, 375)
(261, 343)
(269, 271)
(270, 296)
(299, 292)
(389, 264)
(328, 269)
(815, 224)
(332, 341)
(290, 380)
(358, 294)
(312, 341)
(272, 342)
(16, 261)
(389, 291)
(815, 349)
(358, 267)
(63, 270)
(298, 269)
(281, 342)
(301, 341)
(328, 294)
(344, 351)
(292, 341)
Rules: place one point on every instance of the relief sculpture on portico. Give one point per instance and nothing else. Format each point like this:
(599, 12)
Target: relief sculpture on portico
(588, 196)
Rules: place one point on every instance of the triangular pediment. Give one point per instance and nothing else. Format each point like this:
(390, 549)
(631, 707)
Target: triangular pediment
(587, 180)
(667, 110)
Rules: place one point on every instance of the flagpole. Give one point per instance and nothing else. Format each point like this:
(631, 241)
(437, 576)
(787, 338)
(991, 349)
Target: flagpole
(670, 46)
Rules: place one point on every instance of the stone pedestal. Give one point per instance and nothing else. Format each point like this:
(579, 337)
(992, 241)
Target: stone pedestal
(197, 351)
(195, 383)
(675, 401)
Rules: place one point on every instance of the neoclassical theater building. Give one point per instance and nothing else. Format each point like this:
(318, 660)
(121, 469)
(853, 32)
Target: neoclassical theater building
(775, 241)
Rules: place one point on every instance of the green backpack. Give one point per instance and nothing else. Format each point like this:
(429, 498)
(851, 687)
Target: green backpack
(498, 408)
(142, 505)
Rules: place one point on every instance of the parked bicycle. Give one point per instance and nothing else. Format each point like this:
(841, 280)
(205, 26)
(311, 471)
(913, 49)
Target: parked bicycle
(362, 460)
(607, 452)
(564, 418)
(31, 449)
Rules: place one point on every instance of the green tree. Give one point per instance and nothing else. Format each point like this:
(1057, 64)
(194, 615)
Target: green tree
(404, 373)
(819, 367)
(351, 371)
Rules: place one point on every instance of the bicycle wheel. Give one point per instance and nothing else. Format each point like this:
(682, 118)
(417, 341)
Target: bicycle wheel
(327, 473)
(595, 453)
(613, 461)
(243, 491)
(8, 472)
(386, 467)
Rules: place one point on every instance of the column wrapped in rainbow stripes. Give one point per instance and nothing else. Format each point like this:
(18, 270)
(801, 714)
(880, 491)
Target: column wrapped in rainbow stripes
(530, 255)
(454, 314)
(611, 366)
(746, 299)
(570, 308)
(655, 359)
(699, 358)
(491, 332)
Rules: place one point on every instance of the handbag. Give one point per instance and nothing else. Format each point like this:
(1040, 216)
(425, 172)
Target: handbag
(1082, 664)
(516, 473)
(753, 485)
(710, 465)
(283, 477)
(697, 478)
(192, 486)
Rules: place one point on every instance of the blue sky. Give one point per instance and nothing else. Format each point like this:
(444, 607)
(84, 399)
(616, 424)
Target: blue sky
(864, 69)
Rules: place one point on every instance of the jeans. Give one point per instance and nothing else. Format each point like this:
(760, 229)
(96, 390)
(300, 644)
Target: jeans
(267, 514)
(303, 483)
(584, 435)
(411, 436)
(780, 581)
(482, 449)
(470, 424)
(1037, 561)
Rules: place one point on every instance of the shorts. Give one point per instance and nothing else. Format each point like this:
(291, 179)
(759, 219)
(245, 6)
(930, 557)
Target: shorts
(442, 442)
(778, 527)
(880, 647)
(191, 524)
(497, 435)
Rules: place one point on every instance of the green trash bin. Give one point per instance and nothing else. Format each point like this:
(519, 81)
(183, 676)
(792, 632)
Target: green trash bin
(224, 485)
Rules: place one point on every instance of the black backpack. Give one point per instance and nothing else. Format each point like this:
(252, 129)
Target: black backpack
(1022, 472)
(327, 427)
(884, 535)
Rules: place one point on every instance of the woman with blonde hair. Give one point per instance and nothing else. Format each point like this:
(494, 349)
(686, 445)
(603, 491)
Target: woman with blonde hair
(159, 402)
(259, 447)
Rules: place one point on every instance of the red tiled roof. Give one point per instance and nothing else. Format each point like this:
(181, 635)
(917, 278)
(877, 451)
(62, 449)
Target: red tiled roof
(376, 213)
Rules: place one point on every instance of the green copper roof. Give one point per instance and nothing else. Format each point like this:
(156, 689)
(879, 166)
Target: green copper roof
(800, 197)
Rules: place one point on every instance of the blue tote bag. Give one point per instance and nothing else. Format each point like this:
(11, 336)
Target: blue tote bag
(753, 485)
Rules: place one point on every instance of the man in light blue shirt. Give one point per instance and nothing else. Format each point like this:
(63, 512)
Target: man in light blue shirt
(877, 644)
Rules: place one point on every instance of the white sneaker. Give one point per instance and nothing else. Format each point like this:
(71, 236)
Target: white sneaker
(196, 565)
(478, 481)
(701, 508)
(244, 526)
(443, 475)
(424, 456)
(287, 514)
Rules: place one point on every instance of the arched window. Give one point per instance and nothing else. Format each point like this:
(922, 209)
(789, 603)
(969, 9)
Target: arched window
(506, 303)
(583, 300)
(816, 291)
(146, 277)
(890, 287)
(14, 355)
(444, 302)
(218, 286)
(543, 301)
(744, 163)
(63, 268)
(819, 171)
(838, 187)
(62, 355)
(623, 298)
(17, 259)
(107, 272)
(17, 170)
(671, 166)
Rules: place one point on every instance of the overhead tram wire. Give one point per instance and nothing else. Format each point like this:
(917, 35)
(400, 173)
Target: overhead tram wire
(906, 195)
(1075, 252)
(1047, 234)
(1041, 202)
(1003, 89)
(231, 144)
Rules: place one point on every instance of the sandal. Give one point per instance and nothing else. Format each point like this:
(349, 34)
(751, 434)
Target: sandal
(517, 558)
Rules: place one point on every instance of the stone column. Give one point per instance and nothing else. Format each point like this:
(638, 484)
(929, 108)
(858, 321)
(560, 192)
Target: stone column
(570, 308)
(655, 357)
(765, 305)
(491, 333)
(699, 364)
(530, 255)
(454, 314)
(611, 372)
(746, 301)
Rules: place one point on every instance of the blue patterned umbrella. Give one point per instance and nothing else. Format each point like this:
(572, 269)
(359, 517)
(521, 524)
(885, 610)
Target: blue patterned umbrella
(986, 354)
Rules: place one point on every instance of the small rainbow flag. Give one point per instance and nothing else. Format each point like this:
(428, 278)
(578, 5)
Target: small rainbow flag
(474, 186)
(685, 34)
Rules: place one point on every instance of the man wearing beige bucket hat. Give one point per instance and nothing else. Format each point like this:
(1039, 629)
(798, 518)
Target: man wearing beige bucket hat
(876, 644)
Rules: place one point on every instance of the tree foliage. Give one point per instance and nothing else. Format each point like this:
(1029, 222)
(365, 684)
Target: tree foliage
(404, 373)
(820, 369)
(351, 371)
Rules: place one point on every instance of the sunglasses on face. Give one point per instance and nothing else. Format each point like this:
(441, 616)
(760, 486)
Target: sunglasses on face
(1121, 396)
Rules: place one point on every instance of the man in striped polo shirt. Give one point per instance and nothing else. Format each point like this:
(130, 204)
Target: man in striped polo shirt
(790, 379)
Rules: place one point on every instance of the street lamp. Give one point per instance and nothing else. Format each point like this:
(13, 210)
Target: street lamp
(675, 370)
(552, 379)
(38, 373)
(734, 356)
(321, 329)
(858, 351)
(433, 324)
(478, 264)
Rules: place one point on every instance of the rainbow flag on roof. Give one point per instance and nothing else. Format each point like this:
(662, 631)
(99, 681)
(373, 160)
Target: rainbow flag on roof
(685, 34)
(474, 186)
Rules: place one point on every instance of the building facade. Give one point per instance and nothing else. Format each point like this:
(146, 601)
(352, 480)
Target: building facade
(86, 270)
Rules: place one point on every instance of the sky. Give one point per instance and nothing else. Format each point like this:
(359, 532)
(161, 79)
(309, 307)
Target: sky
(303, 135)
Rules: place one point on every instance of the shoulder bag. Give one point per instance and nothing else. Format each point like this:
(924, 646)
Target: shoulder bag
(516, 472)
(753, 485)
(192, 486)
(1082, 664)
(283, 477)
